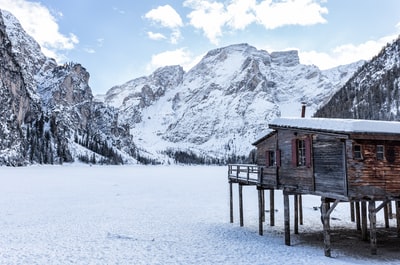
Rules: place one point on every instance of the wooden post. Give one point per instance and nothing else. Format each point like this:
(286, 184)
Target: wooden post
(390, 210)
(260, 211)
(263, 204)
(386, 215)
(301, 209)
(326, 211)
(296, 213)
(372, 223)
(364, 229)
(397, 203)
(325, 220)
(230, 202)
(241, 204)
(286, 218)
(352, 211)
(271, 207)
(358, 216)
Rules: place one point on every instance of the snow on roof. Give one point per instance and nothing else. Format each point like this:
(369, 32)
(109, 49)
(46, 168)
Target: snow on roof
(338, 125)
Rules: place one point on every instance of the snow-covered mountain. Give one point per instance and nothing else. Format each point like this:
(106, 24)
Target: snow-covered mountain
(221, 105)
(212, 113)
(373, 92)
(47, 113)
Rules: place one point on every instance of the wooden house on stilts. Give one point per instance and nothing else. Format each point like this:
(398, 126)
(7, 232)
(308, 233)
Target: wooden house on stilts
(340, 160)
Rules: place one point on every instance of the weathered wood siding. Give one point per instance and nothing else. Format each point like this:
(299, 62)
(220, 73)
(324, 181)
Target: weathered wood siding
(292, 177)
(268, 174)
(370, 178)
(329, 164)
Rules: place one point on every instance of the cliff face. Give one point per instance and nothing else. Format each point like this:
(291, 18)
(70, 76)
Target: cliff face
(17, 106)
(47, 112)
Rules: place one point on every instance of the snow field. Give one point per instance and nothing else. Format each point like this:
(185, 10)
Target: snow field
(77, 214)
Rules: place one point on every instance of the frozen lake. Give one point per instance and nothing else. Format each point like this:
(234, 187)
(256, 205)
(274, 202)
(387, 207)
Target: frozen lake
(77, 214)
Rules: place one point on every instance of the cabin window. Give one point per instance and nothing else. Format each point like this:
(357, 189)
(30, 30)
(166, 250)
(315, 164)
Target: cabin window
(301, 152)
(271, 158)
(380, 150)
(357, 151)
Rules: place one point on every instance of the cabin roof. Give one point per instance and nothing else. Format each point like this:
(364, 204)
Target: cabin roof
(347, 126)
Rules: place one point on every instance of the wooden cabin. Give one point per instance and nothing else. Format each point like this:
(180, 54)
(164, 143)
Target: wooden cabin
(341, 160)
(335, 158)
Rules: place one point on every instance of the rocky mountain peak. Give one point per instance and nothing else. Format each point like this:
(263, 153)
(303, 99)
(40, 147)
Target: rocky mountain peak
(286, 58)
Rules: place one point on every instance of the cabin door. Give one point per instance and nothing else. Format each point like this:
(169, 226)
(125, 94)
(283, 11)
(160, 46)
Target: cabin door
(329, 165)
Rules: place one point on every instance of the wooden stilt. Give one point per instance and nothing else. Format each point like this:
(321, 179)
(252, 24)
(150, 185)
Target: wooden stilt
(390, 210)
(241, 204)
(352, 212)
(358, 216)
(230, 202)
(397, 204)
(301, 209)
(260, 211)
(386, 215)
(271, 207)
(326, 211)
(296, 214)
(286, 218)
(364, 229)
(372, 222)
(325, 220)
(263, 204)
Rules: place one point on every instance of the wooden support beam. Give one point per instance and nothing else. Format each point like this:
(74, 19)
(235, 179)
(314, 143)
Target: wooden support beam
(301, 209)
(386, 215)
(364, 229)
(358, 216)
(372, 222)
(397, 203)
(326, 211)
(271, 207)
(241, 204)
(352, 215)
(286, 218)
(260, 211)
(296, 213)
(325, 221)
(390, 210)
(230, 202)
(263, 205)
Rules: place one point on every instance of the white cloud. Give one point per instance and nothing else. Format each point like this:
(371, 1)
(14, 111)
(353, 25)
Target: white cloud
(155, 36)
(207, 16)
(38, 22)
(212, 17)
(89, 50)
(176, 57)
(291, 12)
(240, 13)
(167, 17)
(345, 54)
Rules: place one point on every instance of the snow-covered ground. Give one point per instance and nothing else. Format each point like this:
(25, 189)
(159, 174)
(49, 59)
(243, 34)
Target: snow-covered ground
(78, 214)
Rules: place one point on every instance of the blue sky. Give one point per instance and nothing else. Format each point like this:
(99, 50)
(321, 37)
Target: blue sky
(120, 40)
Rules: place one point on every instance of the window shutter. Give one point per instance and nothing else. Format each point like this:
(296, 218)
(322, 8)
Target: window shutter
(278, 158)
(294, 152)
(308, 151)
(267, 158)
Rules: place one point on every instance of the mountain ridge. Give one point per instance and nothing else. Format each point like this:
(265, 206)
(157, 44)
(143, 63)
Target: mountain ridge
(220, 105)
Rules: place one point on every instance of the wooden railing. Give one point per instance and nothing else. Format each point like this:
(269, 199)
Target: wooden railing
(243, 173)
